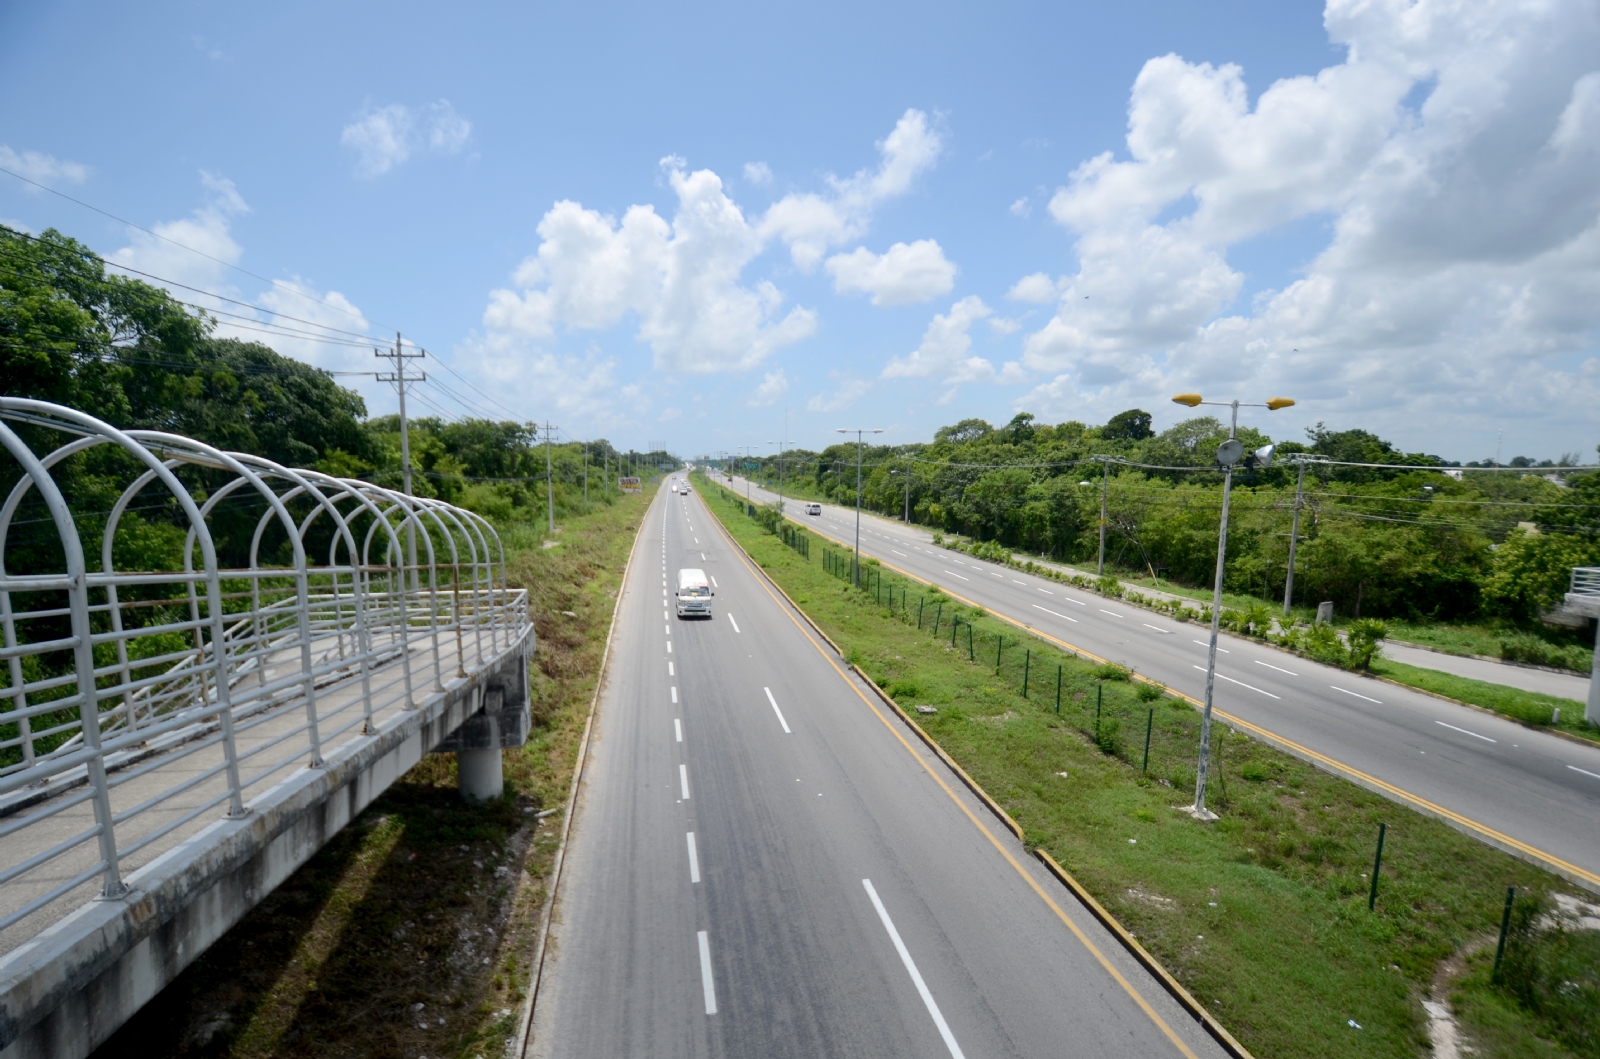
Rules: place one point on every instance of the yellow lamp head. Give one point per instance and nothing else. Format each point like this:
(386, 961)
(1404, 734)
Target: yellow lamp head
(1275, 403)
(1191, 399)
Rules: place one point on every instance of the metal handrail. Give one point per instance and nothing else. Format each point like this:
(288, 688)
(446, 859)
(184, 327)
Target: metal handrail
(1586, 580)
(103, 666)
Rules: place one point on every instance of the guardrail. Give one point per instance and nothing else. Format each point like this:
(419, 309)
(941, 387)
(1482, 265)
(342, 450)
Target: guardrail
(160, 696)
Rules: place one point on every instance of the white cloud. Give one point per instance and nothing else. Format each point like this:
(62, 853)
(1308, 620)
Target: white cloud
(681, 281)
(1037, 288)
(809, 224)
(945, 348)
(42, 168)
(772, 387)
(757, 173)
(385, 137)
(1022, 208)
(1004, 325)
(849, 392)
(904, 275)
(1458, 278)
(205, 230)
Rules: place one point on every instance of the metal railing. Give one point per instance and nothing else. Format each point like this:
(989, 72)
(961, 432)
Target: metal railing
(1586, 581)
(146, 694)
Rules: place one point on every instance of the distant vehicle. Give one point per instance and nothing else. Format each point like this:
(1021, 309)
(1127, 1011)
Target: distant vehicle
(813, 509)
(694, 594)
(684, 489)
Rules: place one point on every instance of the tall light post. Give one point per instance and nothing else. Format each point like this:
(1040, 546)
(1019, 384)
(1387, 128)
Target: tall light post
(1294, 527)
(1105, 485)
(907, 475)
(786, 440)
(855, 573)
(1229, 453)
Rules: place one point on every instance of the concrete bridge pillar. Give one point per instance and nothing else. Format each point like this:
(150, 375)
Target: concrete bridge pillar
(479, 775)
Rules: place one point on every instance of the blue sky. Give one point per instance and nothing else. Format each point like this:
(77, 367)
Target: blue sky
(896, 216)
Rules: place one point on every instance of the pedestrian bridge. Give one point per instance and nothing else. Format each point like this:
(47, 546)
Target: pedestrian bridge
(211, 664)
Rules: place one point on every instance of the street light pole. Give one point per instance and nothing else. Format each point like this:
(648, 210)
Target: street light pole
(1105, 484)
(1229, 453)
(855, 576)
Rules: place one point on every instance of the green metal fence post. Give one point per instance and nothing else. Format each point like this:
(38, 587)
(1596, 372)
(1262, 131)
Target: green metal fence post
(1058, 691)
(970, 656)
(1027, 661)
(1377, 862)
(1098, 690)
(1505, 923)
(920, 602)
(955, 626)
(1149, 723)
(999, 645)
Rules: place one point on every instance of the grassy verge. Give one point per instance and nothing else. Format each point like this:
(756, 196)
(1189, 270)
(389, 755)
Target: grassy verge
(1560, 648)
(1263, 916)
(1530, 707)
(412, 931)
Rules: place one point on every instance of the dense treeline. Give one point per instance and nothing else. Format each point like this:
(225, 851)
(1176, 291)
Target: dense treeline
(1407, 543)
(133, 355)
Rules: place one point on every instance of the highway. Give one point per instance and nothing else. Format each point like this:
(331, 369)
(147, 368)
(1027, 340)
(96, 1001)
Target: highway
(1518, 787)
(765, 862)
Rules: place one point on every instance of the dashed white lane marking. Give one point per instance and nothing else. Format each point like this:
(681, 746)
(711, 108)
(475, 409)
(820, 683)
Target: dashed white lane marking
(1014, 581)
(694, 861)
(714, 581)
(916, 976)
(958, 562)
(1269, 665)
(777, 711)
(1242, 684)
(677, 728)
(1339, 689)
(952, 573)
(674, 693)
(1113, 613)
(683, 780)
(702, 556)
(706, 981)
(993, 574)
(1224, 650)
(670, 671)
(1463, 731)
(667, 629)
(1586, 772)
(735, 624)
(1047, 610)
(1046, 591)
(902, 555)
(1163, 632)
(669, 647)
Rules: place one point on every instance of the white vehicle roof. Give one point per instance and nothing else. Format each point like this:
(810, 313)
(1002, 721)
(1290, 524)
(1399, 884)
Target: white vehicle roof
(691, 577)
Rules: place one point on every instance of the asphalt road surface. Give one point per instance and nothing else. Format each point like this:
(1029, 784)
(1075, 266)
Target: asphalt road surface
(765, 862)
(1518, 787)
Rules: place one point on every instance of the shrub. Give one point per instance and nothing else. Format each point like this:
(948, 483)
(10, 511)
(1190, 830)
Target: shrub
(1254, 771)
(1108, 737)
(1148, 693)
(1110, 671)
(1108, 586)
(1525, 647)
(1363, 637)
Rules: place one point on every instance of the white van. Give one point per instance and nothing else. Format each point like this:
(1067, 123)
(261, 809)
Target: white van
(694, 594)
(813, 509)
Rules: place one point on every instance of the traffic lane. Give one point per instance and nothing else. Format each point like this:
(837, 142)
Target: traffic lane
(617, 978)
(1004, 962)
(1549, 784)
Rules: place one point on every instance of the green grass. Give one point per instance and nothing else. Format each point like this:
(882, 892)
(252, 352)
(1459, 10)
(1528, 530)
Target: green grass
(1263, 915)
(1560, 648)
(1529, 707)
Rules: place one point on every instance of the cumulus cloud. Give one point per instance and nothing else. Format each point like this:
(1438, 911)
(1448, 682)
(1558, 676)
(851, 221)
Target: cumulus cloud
(945, 348)
(906, 274)
(42, 168)
(847, 394)
(1022, 208)
(772, 387)
(385, 137)
(1037, 288)
(757, 173)
(680, 280)
(809, 224)
(1465, 228)
(206, 230)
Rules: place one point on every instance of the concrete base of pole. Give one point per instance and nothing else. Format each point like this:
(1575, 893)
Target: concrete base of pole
(478, 774)
(1205, 816)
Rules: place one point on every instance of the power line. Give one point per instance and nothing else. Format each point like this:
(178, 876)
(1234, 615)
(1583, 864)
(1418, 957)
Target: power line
(192, 250)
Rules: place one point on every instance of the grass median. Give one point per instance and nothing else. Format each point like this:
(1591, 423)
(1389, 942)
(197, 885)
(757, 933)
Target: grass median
(1263, 915)
(412, 931)
(1529, 707)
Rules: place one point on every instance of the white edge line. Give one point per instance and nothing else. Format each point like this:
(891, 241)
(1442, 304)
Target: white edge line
(916, 976)
(706, 981)
(777, 711)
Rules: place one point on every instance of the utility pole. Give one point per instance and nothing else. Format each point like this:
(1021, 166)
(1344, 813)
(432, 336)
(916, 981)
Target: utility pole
(549, 479)
(1105, 484)
(1294, 536)
(400, 378)
(907, 518)
(585, 474)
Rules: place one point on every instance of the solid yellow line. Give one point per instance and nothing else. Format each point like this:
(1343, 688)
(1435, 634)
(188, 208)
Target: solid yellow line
(1332, 763)
(1081, 936)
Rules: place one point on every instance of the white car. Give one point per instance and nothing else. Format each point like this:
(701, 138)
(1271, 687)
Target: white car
(694, 594)
(813, 509)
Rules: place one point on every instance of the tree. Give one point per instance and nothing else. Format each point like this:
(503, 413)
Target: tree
(964, 431)
(1132, 425)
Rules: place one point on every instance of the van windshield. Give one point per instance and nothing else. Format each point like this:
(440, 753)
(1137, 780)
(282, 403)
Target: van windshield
(694, 590)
